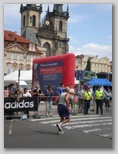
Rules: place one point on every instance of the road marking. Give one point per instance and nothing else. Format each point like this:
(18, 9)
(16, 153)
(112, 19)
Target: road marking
(87, 122)
(106, 135)
(83, 122)
(79, 119)
(97, 129)
(71, 117)
(10, 128)
(90, 125)
(92, 130)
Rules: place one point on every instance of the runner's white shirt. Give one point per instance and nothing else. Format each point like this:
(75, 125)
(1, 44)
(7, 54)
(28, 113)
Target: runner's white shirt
(62, 98)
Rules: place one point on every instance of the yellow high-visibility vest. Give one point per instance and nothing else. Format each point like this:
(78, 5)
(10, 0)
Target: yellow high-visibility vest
(98, 95)
(87, 95)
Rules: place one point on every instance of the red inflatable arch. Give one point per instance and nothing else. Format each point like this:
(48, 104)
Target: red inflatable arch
(53, 71)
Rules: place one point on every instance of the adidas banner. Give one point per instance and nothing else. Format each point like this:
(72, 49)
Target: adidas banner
(24, 104)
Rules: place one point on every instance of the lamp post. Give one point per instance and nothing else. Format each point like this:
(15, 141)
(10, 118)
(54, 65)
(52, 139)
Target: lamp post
(18, 77)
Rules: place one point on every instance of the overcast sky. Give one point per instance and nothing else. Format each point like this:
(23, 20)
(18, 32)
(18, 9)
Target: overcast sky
(89, 27)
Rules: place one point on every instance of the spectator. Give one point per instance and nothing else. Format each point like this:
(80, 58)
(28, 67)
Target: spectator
(71, 97)
(76, 96)
(11, 91)
(26, 94)
(80, 93)
(110, 91)
(37, 93)
(107, 96)
(6, 91)
(76, 90)
(61, 89)
(18, 94)
(49, 93)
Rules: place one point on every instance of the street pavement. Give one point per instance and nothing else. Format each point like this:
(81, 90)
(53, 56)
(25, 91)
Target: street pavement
(83, 131)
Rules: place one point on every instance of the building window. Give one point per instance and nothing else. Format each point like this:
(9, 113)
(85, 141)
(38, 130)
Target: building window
(8, 55)
(24, 20)
(15, 56)
(21, 66)
(47, 45)
(32, 46)
(28, 58)
(60, 25)
(21, 57)
(34, 21)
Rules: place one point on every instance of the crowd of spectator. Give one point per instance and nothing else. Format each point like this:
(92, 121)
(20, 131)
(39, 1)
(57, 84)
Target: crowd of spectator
(79, 95)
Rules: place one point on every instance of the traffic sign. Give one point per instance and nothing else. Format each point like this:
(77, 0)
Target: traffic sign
(80, 75)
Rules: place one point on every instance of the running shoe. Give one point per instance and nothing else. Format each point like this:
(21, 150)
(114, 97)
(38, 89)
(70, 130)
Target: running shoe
(60, 132)
(59, 127)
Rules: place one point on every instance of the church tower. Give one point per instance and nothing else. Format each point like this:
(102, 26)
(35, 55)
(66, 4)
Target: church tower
(30, 17)
(51, 32)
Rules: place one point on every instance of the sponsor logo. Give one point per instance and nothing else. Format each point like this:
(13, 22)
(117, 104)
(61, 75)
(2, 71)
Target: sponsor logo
(16, 105)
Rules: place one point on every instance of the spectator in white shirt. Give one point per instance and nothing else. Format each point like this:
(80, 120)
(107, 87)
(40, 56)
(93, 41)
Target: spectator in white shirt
(26, 94)
(71, 96)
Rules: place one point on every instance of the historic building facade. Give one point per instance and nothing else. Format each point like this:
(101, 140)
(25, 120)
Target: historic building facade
(97, 65)
(19, 52)
(51, 32)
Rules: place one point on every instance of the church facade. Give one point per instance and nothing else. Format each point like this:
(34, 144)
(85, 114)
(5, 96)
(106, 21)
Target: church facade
(50, 32)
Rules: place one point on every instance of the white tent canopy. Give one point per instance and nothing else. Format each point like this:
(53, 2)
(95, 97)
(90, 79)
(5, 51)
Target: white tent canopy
(24, 76)
(27, 76)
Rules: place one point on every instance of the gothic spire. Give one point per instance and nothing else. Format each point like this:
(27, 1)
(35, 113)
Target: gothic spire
(54, 8)
(48, 9)
(67, 9)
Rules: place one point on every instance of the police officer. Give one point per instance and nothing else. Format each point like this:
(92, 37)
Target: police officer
(98, 98)
(87, 98)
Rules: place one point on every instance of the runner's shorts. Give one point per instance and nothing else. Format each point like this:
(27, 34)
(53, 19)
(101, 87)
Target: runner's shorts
(63, 111)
